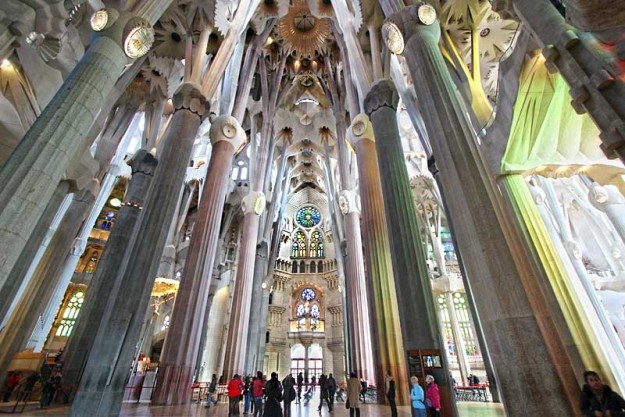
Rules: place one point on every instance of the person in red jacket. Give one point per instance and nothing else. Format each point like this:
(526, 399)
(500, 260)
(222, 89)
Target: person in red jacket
(258, 391)
(432, 396)
(235, 391)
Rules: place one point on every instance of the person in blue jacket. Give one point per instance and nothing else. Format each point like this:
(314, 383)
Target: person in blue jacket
(418, 398)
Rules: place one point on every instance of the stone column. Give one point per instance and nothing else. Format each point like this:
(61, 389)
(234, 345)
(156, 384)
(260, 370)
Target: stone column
(417, 314)
(34, 251)
(30, 176)
(385, 329)
(254, 336)
(101, 389)
(104, 280)
(515, 315)
(44, 324)
(456, 331)
(253, 205)
(45, 279)
(180, 352)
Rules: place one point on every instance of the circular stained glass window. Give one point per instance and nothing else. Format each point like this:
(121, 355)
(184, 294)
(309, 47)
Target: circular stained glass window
(308, 217)
(308, 294)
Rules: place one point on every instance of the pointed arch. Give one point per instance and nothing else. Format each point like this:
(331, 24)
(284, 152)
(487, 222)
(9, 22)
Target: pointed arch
(299, 246)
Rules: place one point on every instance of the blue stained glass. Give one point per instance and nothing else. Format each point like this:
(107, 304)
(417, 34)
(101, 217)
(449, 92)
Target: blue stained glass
(308, 217)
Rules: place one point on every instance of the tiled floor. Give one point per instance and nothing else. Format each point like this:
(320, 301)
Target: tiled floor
(367, 410)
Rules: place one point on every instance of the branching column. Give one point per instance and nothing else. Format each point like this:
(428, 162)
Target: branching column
(515, 315)
(180, 351)
(386, 332)
(102, 386)
(30, 175)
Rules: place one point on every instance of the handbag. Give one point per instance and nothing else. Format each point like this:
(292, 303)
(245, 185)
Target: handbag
(347, 404)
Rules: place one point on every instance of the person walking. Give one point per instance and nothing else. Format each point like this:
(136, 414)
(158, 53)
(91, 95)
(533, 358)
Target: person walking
(313, 381)
(432, 396)
(331, 389)
(12, 381)
(212, 388)
(324, 392)
(389, 390)
(300, 383)
(288, 387)
(353, 395)
(418, 398)
(598, 399)
(258, 391)
(235, 391)
(273, 395)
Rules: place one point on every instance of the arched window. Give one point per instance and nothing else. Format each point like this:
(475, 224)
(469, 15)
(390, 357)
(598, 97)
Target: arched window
(294, 268)
(316, 245)
(320, 267)
(302, 267)
(313, 267)
(70, 314)
(298, 249)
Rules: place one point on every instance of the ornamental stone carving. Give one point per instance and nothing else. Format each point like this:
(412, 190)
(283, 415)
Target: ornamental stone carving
(383, 94)
(361, 128)
(189, 97)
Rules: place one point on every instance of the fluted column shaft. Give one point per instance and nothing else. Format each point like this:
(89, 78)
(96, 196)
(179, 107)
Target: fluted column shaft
(30, 176)
(66, 272)
(102, 387)
(417, 314)
(103, 282)
(236, 344)
(34, 251)
(180, 352)
(385, 330)
(45, 279)
(515, 316)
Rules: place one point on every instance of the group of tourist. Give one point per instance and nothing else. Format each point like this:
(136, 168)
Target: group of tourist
(265, 398)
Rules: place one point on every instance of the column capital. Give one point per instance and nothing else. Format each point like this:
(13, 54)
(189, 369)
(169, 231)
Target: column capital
(254, 203)
(400, 27)
(361, 128)
(143, 162)
(189, 97)
(227, 128)
(382, 94)
(349, 202)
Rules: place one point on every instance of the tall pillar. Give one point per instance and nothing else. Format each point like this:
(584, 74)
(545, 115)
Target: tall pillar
(456, 331)
(180, 352)
(34, 251)
(385, 328)
(253, 205)
(254, 335)
(515, 316)
(30, 175)
(66, 272)
(417, 314)
(101, 389)
(104, 280)
(45, 279)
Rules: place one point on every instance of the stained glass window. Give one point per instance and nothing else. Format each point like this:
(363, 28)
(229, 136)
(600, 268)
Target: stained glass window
(68, 319)
(316, 245)
(301, 310)
(308, 217)
(298, 249)
(308, 294)
(314, 311)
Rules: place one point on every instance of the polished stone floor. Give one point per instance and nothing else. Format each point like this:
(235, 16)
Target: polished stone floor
(466, 409)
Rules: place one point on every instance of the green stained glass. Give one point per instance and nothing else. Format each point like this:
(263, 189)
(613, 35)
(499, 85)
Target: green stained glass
(308, 217)
(298, 248)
